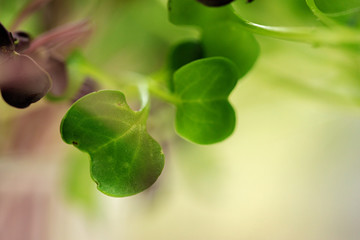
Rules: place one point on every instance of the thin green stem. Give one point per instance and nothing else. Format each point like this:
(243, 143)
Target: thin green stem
(145, 84)
(98, 74)
(319, 14)
(286, 33)
(144, 95)
(341, 30)
(159, 91)
(309, 35)
(152, 85)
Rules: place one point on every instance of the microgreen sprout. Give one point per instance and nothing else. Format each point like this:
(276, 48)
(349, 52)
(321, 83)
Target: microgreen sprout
(197, 80)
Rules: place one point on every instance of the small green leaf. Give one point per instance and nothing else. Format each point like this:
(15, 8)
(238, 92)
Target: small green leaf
(125, 159)
(228, 39)
(204, 114)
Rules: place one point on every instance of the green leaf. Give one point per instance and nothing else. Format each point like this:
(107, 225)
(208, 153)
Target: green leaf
(229, 40)
(344, 11)
(332, 6)
(125, 159)
(191, 12)
(222, 35)
(204, 114)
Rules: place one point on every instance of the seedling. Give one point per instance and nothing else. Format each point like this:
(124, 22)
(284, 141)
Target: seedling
(200, 76)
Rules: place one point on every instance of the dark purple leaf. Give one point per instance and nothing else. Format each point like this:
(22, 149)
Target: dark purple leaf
(58, 73)
(6, 42)
(22, 40)
(23, 81)
(62, 40)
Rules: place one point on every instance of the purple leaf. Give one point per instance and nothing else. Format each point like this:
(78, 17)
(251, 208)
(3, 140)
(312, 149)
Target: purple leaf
(23, 81)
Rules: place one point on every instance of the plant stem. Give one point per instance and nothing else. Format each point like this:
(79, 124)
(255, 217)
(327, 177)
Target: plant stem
(144, 83)
(160, 92)
(98, 74)
(286, 33)
(309, 35)
(319, 14)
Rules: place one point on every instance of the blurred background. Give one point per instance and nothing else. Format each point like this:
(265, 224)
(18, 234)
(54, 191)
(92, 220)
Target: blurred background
(289, 171)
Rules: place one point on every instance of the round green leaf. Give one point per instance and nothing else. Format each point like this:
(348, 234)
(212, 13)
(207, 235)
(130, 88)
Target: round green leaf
(125, 159)
(204, 114)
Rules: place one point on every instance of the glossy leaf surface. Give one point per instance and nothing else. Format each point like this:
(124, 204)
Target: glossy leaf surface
(228, 39)
(125, 159)
(204, 114)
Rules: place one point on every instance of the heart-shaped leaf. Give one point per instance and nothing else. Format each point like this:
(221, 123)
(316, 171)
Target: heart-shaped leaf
(204, 114)
(125, 159)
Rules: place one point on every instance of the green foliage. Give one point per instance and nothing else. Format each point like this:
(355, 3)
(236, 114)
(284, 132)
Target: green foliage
(228, 39)
(191, 12)
(204, 114)
(346, 12)
(125, 159)
(183, 54)
(335, 6)
(222, 34)
(197, 78)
